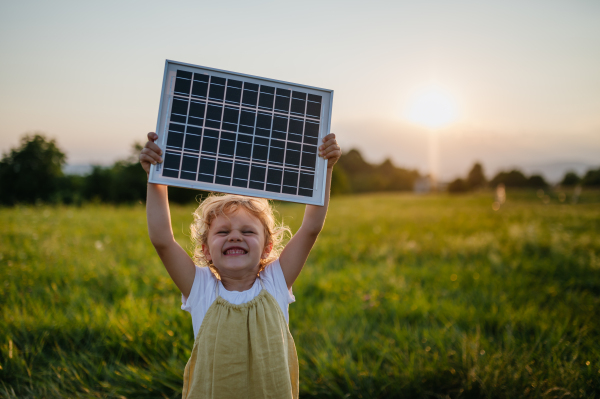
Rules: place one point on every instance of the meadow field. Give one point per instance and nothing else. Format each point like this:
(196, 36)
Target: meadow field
(403, 296)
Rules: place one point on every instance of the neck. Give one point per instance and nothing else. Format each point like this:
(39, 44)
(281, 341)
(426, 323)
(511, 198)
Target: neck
(238, 281)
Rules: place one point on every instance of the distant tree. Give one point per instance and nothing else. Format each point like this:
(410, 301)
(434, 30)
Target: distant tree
(591, 178)
(129, 178)
(353, 163)
(458, 186)
(123, 182)
(32, 171)
(571, 179)
(339, 182)
(476, 177)
(180, 195)
(362, 176)
(386, 168)
(98, 185)
(514, 178)
(536, 181)
(70, 189)
(395, 179)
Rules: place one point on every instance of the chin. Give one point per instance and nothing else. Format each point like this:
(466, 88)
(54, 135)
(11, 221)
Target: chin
(239, 264)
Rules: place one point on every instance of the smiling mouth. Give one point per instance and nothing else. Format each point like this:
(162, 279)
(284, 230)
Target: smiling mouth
(235, 251)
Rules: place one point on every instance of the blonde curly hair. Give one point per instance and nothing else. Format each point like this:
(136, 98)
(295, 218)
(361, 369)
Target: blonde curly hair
(224, 204)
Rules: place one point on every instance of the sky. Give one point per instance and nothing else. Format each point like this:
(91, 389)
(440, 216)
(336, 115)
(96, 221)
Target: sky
(524, 76)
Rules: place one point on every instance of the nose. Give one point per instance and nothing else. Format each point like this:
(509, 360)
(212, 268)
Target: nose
(235, 236)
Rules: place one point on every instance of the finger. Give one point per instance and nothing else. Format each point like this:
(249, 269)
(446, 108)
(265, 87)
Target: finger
(329, 150)
(152, 136)
(325, 153)
(153, 147)
(328, 143)
(329, 137)
(151, 155)
(147, 160)
(333, 155)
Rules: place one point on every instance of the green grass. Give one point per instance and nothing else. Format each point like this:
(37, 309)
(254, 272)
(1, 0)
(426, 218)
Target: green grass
(403, 296)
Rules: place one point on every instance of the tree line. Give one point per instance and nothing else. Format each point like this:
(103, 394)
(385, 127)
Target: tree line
(33, 172)
(476, 179)
(353, 174)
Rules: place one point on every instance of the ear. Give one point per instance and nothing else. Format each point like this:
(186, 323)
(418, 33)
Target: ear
(267, 251)
(206, 252)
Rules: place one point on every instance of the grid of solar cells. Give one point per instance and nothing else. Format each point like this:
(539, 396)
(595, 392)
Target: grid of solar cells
(242, 134)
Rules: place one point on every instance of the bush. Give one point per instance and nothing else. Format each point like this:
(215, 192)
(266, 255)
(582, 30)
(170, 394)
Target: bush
(570, 179)
(591, 178)
(458, 186)
(536, 181)
(514, 178)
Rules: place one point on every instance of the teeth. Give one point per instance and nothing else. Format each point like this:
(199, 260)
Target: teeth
(235, 252)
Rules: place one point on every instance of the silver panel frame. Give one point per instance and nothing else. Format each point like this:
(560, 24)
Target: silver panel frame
(166, 94)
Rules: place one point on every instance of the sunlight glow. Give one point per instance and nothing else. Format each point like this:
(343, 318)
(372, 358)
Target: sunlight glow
(433, 108)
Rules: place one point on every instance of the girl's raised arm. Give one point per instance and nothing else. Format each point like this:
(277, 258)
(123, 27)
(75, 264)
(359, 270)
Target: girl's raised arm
(296, 252)
(177, 262)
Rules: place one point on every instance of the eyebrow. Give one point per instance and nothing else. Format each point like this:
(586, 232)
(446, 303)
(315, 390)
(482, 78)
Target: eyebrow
(225, 225)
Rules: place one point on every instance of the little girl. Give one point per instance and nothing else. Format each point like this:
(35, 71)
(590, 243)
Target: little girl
(239, 303)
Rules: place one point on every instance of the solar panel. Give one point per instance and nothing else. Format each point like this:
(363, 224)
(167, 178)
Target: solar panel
(241, 134)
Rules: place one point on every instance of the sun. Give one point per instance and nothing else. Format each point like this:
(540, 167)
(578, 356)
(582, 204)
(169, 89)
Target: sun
(433, 108)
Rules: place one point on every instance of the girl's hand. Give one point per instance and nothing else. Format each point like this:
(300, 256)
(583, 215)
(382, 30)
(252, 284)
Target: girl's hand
(150, 154)
(330, 150)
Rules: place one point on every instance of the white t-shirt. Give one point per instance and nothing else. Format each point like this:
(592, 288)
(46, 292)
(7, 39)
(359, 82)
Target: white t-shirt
(202, 294)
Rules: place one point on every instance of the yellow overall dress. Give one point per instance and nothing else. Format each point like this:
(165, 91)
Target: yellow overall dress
(243, 351)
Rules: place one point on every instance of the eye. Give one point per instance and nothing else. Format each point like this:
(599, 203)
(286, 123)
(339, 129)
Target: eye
(248, 232)
(223, 232)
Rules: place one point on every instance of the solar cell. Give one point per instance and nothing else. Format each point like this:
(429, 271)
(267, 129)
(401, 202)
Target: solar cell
(230, 132)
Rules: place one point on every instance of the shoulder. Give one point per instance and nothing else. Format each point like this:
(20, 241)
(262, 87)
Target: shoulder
(272, 271)
(274, 281)
(204, 282)
(204, 275)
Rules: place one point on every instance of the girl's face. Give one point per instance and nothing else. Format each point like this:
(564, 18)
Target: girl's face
(236, 242)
